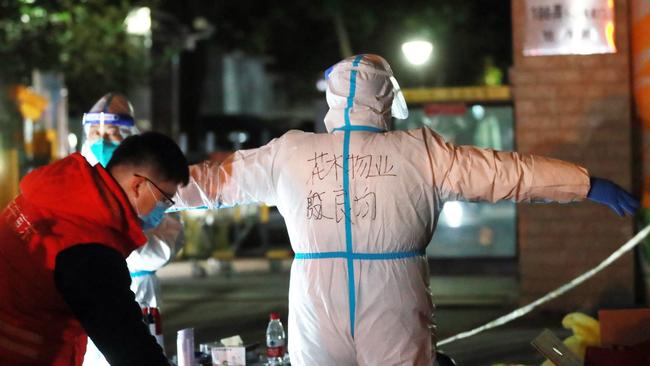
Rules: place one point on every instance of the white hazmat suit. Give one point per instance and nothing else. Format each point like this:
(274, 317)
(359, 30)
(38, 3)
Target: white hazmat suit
(361, 204)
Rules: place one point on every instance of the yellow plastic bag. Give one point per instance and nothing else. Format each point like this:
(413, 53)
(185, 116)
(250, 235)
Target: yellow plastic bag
(586, 333)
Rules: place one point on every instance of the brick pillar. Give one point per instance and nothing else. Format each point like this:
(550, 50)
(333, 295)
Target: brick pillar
(575, 108)
(640, 51)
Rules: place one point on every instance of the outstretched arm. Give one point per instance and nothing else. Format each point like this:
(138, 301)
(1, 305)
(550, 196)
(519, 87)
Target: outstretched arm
(475, 174)
(246, 176)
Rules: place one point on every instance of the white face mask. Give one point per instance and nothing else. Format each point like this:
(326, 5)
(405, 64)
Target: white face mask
(88, 154)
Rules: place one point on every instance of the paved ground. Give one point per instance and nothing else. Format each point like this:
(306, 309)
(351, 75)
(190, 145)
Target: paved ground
(218, 306)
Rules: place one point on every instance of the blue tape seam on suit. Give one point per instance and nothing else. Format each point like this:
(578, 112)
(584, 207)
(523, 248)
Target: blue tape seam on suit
(359, 128)
(361, 256)
(346, 194)
(349, 254)
(142, 273)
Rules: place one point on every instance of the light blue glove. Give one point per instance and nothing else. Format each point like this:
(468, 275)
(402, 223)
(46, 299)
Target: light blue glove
(611, 194)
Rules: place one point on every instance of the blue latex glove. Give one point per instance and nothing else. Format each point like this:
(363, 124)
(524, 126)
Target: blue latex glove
(611, 194)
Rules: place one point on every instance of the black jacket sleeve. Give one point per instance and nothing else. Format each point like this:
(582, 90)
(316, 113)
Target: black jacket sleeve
(94, 281)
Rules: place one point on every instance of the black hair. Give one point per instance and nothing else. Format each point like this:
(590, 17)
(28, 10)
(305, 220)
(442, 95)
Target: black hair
(155, 151)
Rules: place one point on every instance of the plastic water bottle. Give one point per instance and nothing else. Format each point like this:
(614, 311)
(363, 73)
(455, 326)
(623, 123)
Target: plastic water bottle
(275, 341)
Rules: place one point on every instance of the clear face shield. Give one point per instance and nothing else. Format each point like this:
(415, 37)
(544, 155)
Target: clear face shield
(103, 132)
(108, 126)
(399, 109)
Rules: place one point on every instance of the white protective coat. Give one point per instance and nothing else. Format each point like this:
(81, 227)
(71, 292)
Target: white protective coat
(163, 242)
(361, 205)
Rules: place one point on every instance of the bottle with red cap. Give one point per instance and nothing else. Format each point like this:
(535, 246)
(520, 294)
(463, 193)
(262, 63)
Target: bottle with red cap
(275, 340)
(152, 319)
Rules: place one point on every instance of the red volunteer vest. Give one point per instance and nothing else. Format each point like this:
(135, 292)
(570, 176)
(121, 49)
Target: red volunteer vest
(63, 204)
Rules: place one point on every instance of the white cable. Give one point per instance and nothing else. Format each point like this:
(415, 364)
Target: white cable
(555, 293)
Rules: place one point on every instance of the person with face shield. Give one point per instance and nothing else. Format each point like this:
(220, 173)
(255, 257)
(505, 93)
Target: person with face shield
(361, 204)
(106, 125)
(63, 244)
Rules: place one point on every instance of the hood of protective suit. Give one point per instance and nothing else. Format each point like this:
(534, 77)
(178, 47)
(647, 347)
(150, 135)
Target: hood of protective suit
(75, 190)
(362, 91)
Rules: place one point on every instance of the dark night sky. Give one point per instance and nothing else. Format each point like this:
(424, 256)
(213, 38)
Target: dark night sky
(299, 36)
(300, 41)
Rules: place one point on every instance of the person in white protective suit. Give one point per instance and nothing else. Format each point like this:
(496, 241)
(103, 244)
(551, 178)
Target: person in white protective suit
(361, 204)
(109, 122)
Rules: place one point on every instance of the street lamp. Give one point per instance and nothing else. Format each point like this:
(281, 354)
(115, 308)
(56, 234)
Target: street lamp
(417, 52)
(138, 21)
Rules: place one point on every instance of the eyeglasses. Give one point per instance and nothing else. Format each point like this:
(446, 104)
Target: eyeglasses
(168, 200)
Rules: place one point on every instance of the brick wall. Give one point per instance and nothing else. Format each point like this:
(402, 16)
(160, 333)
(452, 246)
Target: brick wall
(575, 108)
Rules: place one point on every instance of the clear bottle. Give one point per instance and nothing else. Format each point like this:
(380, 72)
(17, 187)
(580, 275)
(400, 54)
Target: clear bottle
(275, 340)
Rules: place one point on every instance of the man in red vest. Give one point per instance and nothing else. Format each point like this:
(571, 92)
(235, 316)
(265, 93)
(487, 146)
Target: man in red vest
(63, 242)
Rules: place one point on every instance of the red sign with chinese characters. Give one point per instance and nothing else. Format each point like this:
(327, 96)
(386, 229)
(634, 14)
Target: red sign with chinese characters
(446, 109)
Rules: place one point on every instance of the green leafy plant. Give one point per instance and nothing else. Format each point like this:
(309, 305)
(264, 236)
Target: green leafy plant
(85, 40)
